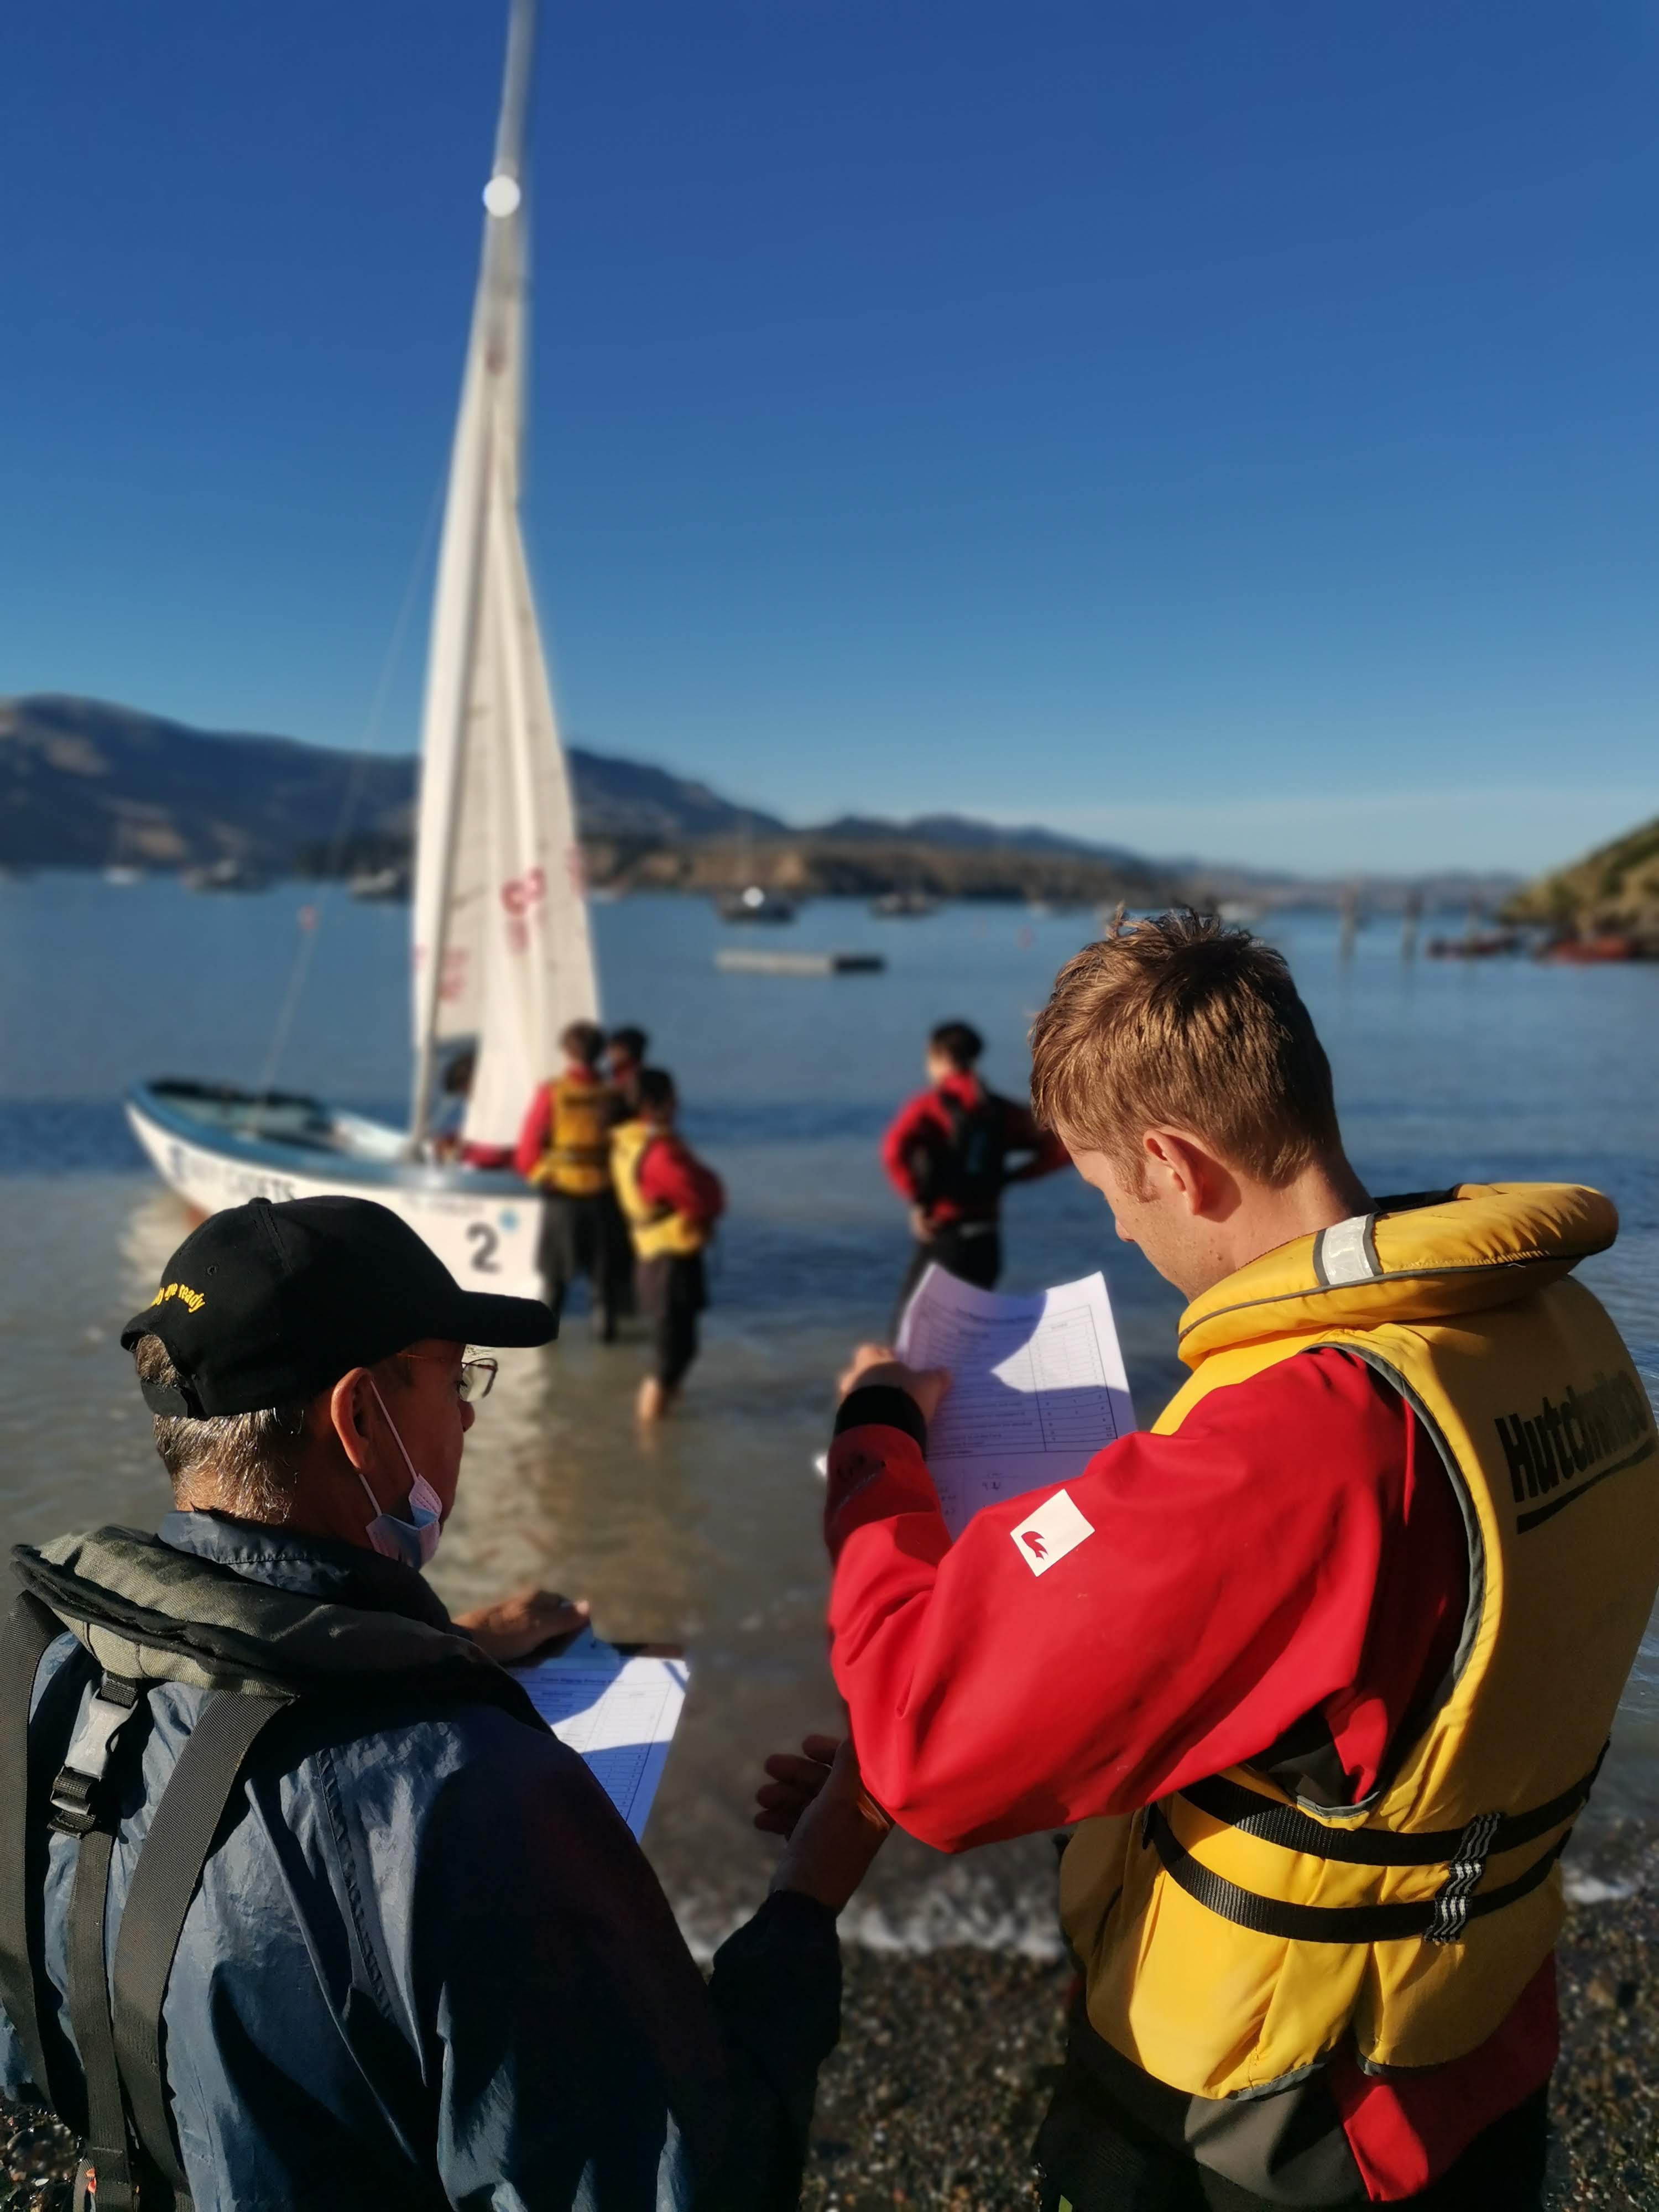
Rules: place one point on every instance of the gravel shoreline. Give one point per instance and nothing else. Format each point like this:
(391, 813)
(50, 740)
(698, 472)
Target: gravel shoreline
(947, 2058)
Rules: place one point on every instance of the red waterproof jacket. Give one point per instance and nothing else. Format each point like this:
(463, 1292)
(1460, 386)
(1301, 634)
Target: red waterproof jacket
(672, 1175)
(925, 1128)
(1292, 1558)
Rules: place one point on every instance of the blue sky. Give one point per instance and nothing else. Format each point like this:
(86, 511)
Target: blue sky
(1223, 427)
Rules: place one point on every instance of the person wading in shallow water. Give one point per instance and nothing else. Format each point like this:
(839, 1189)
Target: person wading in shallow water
(374, 1936)
(564, 1149)
(672, 1201)
(947, 1152)
(1321, 1669)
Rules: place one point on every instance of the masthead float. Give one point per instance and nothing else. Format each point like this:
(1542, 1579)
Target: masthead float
(500, 949)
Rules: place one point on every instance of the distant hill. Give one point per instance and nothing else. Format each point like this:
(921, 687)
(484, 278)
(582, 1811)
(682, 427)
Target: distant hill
(617, 798)
(961, 833)
(83, 784)
(1613, 890)
(1444, 890)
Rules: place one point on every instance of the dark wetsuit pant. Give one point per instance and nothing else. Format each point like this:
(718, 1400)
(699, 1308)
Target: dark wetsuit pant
(586, 1236)
(1097, 2158)
(673, 1291)
(970, 1249)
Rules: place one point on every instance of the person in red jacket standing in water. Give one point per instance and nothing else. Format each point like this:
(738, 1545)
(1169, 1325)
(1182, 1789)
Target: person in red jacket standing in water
(1320, 1669)
(671, 1201)
(947, 1153)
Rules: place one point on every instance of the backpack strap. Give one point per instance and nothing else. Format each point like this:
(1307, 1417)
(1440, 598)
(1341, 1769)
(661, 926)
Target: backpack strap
(104, 2175)
(30, 1629)
(164, 1881)
(120, 2045)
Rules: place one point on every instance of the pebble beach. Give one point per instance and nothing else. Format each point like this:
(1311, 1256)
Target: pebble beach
(946, 2060)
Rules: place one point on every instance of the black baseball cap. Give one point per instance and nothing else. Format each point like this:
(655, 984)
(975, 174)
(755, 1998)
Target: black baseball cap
(264, 1304)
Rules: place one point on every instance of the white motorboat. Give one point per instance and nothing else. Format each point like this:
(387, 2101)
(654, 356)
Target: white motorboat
(501, 951)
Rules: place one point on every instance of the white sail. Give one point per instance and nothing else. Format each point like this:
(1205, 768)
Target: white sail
(501, 942)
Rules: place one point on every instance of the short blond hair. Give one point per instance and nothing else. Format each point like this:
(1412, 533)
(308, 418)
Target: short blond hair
(1184, 1021)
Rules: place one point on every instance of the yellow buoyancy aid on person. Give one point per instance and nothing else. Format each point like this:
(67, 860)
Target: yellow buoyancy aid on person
(656, 1230)
(1234, 1933)
(577, 1159)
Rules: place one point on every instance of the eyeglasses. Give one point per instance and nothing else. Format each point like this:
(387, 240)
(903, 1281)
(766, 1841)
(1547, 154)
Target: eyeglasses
(476, 1378)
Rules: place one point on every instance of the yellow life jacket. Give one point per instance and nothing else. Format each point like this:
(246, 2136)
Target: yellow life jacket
(655, 1230)
(1234, 1933)
(577, 1160)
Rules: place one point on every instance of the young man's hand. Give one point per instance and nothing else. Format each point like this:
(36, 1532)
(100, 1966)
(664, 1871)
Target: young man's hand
(834, 1827)
(515, 1626)
(878, 1365)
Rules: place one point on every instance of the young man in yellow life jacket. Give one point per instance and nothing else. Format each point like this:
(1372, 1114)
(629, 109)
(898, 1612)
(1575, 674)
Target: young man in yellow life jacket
(1320, 1669)
(564, 1149)
(672, 1201)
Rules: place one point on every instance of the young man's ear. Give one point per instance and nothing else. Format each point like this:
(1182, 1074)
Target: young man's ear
(1206, 1185)
(1184, 1168)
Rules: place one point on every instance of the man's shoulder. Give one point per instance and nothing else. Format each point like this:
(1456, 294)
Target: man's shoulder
(1325, 1402)
(1333, 1375)
(407, 1757)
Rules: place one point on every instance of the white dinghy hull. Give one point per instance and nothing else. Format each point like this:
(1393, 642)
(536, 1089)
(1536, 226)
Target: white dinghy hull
(218, 1147)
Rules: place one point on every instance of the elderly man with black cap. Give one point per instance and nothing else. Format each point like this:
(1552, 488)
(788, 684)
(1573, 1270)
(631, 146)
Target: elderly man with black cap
(300, 1904)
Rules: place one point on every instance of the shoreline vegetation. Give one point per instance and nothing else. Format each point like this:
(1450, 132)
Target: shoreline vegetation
(947, 2058)
(1612, 893)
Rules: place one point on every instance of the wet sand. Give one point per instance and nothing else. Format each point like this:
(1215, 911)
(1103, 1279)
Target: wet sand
(947, 2058)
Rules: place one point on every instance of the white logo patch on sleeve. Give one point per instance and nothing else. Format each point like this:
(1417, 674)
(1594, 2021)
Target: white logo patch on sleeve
(1056, 1528)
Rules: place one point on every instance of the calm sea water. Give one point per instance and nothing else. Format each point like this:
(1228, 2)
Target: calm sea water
(710, 1533)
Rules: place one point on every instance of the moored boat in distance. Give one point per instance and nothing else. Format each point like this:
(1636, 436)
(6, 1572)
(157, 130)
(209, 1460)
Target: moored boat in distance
(501, 954)
(755, 903)
(225, 876)
(1476, 945)
(1593, 951)
(903, 905)
(380, 886)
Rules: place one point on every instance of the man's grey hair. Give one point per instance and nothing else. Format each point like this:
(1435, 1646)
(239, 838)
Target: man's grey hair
(246, 1464)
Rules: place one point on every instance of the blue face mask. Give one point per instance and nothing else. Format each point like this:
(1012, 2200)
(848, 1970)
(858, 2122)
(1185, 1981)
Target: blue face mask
(415, 1540)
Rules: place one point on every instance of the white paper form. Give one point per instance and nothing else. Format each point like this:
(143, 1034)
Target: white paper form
(1037, 1386)
(617, 1711)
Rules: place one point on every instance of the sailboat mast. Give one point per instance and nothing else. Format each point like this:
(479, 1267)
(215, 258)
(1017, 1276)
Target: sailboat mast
(492, 362)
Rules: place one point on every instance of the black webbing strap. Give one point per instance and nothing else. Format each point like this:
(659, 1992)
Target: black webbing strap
(106, 2171)
(164, 1881)
(1274, 1823)
(30, 1628)
(1331, 1924)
